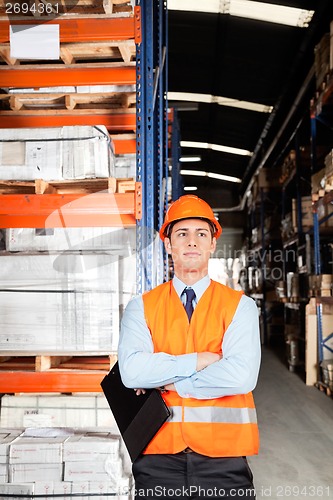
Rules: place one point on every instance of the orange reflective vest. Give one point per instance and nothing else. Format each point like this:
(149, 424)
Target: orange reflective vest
(220, 427)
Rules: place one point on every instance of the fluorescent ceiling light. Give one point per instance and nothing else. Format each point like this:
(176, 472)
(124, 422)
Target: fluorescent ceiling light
(211, 175)
(199, 173)
(222, 101)
(222, 177)
(190, 188)
(189, 159)
(215, 147)
(281, 14)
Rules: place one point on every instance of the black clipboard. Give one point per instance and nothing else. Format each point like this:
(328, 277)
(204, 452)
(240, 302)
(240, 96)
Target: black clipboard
(138, 417)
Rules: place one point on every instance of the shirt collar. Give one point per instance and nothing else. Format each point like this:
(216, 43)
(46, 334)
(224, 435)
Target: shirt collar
(199, 287)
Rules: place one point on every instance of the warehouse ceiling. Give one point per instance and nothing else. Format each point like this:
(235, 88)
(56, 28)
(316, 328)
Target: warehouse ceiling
(240, 59)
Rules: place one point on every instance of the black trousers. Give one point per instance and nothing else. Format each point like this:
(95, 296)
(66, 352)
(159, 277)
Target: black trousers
(192, 476)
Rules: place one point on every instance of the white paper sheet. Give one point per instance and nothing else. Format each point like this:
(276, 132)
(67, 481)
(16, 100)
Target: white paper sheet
(35, 42)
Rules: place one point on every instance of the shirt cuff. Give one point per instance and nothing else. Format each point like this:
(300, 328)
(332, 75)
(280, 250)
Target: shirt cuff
(184, 388)
(186, 364)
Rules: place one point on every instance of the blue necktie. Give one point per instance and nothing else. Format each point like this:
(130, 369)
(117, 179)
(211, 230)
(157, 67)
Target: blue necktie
(190, 295)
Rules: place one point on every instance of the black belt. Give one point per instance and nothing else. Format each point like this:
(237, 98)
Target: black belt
(187, 450)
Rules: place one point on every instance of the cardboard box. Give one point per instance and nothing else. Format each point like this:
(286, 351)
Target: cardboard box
(93, 471)
(118, 241)
(55, 410)
(59, 321)
(306, 207)
(318, 181)
(36, 450)
(53, 488)
(7, 437)
(125, 166)
(91, 446)
(55, 153)
(3, 473)
(311, 338)
(25, 473)
(324, 211)
(17, 489)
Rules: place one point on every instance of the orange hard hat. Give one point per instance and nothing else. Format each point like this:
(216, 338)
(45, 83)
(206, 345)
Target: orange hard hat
(189, 207)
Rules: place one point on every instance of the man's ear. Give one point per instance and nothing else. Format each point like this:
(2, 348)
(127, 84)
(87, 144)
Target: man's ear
(213, 246)
(167, 245)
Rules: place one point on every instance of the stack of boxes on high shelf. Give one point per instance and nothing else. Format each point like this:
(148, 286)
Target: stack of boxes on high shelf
(62, 291)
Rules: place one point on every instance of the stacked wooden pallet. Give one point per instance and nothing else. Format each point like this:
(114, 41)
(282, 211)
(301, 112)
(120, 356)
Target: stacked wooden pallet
(119, 51)
(45, 362)
(39, 8)
(39, 186)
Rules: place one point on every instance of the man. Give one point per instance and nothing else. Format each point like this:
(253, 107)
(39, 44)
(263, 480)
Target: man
(198, 342)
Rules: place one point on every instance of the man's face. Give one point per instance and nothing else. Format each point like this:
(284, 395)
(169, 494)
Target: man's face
(190, 245)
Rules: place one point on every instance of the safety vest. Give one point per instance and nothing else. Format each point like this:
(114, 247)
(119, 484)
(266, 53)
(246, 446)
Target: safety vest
(225, 426)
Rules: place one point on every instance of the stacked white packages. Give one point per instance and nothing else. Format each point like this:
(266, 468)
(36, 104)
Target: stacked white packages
(56, 410)
(56, 153)
(37, 458)
(64, 303)
(118, 241)
(7, 437)
(92, 457)
(50, 461)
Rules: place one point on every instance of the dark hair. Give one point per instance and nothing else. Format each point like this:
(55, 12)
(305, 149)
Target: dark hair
(168, 229)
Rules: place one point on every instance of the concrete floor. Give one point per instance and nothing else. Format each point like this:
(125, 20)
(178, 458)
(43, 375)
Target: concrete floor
(296, 434)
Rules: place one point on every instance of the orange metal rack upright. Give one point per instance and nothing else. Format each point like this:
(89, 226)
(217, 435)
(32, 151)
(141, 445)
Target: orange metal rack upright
(102, 209)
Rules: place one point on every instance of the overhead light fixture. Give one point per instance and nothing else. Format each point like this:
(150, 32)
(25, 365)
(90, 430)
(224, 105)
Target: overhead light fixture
(190, 188)
(223, 177)
(199, 173)
(215, 147)
(189, 159)
(211, 175)
(222, 101)
(272, 13)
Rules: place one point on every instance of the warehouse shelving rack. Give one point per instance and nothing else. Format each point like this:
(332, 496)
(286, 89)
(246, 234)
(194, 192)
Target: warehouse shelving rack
(322, 103)
(322, 341)
(146, 206)
(297, 185)
(177, 185)
(73, 30)
(257, 253)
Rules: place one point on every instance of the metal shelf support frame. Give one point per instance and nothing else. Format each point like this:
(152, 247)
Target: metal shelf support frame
(322, 342)
(151, 136)
(177, 187)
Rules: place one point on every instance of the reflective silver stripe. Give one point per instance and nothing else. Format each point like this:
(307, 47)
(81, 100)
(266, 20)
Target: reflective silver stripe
(176, 414)
(217, 414)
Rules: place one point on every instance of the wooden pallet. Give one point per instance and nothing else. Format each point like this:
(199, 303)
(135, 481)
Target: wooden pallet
(75, 53)
(39, 186)
(68, 7)
(45, 362)
(67, 101)
(321, 193)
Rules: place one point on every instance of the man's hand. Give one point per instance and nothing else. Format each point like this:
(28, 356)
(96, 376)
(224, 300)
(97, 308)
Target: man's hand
(140, 391)
(207, 358)
(169, 387)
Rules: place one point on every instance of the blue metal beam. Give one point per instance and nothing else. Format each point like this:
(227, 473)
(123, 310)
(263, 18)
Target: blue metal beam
(151, 111)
